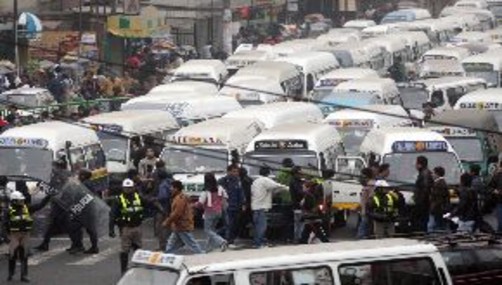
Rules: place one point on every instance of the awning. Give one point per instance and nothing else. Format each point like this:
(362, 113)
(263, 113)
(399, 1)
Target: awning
(148, 23)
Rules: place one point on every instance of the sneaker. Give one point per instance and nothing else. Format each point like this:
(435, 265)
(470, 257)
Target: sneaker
(232, 246)
(92, 250)
(76, 250)
(224, 246)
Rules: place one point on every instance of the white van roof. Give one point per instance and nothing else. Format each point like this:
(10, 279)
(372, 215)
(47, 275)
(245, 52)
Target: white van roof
(381, 140)
(359, 24)
(26, 90)
(390, 42)
(189, 108)
(163, 97)
(445, 67)
(379, 115)
(253, 88)
(187, 86)
(351, 73)
(485, 99)
(381, 29)
(135, 122)
(448, 81)
(473, 36)
(458, 52)
(413, 37)
(56, 133)
(305, 254)
(279, 71)
(379, 85)
(318, 136)
(212, 67)
(274, 114)
(234, 133)
(493, 57)
(311, 61)
(250, 55)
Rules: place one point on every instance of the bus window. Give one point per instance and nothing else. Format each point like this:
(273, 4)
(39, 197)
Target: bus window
(219, 279)
(308, 276)
(392, 272)
(437, 98)
(77, 159)
(94, 157)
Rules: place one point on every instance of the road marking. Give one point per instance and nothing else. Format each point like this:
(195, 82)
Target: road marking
(44, 256)
(93, 259)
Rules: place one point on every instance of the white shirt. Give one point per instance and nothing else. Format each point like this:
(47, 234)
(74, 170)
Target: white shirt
(261, 192)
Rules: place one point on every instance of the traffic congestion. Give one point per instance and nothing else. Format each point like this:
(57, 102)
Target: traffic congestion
(361, 152)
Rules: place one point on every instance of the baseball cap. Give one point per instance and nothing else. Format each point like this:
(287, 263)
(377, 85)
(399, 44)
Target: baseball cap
(381, 183)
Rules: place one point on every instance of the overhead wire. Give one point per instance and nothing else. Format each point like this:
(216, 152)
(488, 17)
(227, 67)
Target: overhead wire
(320, 102)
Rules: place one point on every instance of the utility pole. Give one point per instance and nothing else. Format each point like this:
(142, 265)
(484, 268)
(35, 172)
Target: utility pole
(16, 36)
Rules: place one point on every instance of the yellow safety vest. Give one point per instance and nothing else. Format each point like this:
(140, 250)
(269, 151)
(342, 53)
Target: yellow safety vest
(131, 211)
(20, 222)
(389, 208)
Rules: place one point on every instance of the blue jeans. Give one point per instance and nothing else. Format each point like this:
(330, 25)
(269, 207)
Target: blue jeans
(499, 217)
(232, 225)
(298, 225)
(466, 226)
(213, 239)
(436, 223)
(178, 239)
(260, 227)
(364, 227)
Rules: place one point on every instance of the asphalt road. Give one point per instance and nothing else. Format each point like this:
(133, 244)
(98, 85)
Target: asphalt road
(56, 266)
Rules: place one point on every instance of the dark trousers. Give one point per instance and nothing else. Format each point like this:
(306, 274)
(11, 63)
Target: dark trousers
(419, 220)
(77, 235)
(232, 225)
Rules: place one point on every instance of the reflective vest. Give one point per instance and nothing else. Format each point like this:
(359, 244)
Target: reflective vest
(389, 208)
(131, 212)
(20, 219)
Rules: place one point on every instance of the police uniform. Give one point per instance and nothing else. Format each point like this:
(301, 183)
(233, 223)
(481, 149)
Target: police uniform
(127, 213)
(19, 225)
(383, 209)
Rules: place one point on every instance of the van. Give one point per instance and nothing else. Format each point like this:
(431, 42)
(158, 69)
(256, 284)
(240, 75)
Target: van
(312, 146)
(387, 261)
(437, 68)
(359, 24)
(353, 125)
(312, 65)
(244, 58)
(385, 88)
(395, 46)
(438, 30)
(379, 30)
(210, 70)
(472, 145)
(417, 43)
(487, 66)
(28, 152)
(188, 111)
(124, 131)
(406, 15)
(378, 57)
(472, 37)
(489, 100)
(330, 80)
(478, 4)
(180, 88)
(208, 146)
(444, 92)
(347, 56)
(287, 48)
(264, 82)
(445, 53)
(339, 37)
(274, 114)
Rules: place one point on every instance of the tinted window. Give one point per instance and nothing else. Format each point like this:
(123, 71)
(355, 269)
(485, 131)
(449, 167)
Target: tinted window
(301, 276)
(219, 279)
(393, 272)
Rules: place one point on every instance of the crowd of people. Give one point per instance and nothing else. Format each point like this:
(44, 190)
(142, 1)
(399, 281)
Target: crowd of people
(383, 206)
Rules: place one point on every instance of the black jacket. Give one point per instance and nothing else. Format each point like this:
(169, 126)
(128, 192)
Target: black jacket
(296, 191)
(467, 209)
(423, 186)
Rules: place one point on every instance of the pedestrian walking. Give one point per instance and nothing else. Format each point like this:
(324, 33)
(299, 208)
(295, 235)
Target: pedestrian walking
(368, 183)
(247, 215)
(383, 210)
(236, 202)
(164, 199)
(467, 208)
(212, 200)
(495, 186)
(262, 191)
(439, 201)
(297, 195)
(181, 221)
(19, 225)
(127, 213)
(421, 194)
(311, 214)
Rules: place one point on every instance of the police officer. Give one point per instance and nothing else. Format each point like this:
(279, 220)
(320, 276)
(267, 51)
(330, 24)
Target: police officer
(127, 213)
(19, 224)
(383, 209)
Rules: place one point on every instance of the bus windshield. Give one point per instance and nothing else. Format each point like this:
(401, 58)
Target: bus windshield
(402, 166)
(482, 70)
(115, 146)
(468, 149)
(144, 276)
(181, 159)
(352, 139)
(30, 162)
(273, 159)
